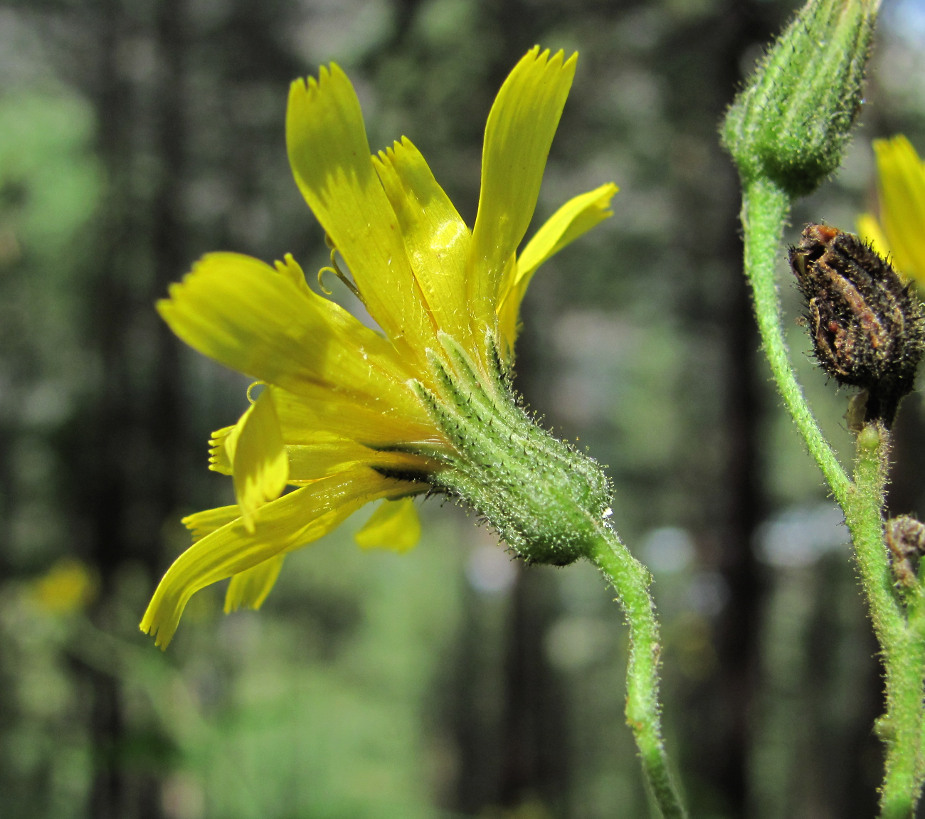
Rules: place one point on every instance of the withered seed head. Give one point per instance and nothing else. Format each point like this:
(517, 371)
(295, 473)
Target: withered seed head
(905, 537)
(868, 329)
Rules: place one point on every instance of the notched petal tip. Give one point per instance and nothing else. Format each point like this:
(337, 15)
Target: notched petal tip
(204, 523)
(219, 456)
(387, 155)
(292, 270)
(547, 57)
(310, 85)
(160, 622)
(148, 629)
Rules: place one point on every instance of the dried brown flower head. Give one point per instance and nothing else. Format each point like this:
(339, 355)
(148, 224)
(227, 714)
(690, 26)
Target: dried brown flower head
(867, 328)
(905, 536)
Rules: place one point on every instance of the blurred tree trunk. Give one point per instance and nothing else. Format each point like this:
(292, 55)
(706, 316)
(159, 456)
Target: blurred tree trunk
(104, 434)
(131, 439)
(473, 691)
(721, 707)
(506, 704)
(535, 759)
(740, 625)
(164, 419)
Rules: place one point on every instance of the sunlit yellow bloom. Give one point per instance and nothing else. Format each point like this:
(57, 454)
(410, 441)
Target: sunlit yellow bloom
(899, 228)
(343, 414)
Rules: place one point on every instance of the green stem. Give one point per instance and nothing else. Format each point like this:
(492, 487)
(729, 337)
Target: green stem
(631, 581)
(901, 640)
(765, 209)
(915, 615)
(864, 516)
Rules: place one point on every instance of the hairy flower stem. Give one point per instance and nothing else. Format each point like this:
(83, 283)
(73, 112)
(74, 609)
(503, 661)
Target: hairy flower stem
(631, 581)
(899, 628)
(549, 503)
(765, 210)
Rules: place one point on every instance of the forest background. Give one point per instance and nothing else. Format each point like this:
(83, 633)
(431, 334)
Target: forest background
(450, 682)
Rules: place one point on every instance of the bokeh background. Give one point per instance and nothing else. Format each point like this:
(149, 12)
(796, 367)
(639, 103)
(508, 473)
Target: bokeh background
(449, 682)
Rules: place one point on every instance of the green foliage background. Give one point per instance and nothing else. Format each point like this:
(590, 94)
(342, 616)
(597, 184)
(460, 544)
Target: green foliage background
(449, 682)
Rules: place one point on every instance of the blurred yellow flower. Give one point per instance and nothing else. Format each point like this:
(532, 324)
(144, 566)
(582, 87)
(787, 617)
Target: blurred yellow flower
(347, 415)
(898, 229)
(67, 587)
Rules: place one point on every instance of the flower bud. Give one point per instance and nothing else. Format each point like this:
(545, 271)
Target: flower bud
(791, 122)
(868, 329)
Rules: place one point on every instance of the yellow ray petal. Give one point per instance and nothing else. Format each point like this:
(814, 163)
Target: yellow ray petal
(204, 523)
(869, 230)
(519, 132)
(574, 218)
(324, 455)
(260, 469)
(329, 454)
(435, 236)
(260, 321)
(373, 421)
(251, 587)
(331, 162)
(288, 523)
(219, 456)
(394, 525)
(902, 203)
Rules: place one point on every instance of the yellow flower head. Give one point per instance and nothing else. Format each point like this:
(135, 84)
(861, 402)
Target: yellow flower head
(345, 414)
(69, 586)
(900, 229)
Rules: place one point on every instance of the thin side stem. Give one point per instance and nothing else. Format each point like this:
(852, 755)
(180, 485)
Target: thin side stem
(864, 516)
(915, 615)
(631, 581)
(765, 210)
(901, 640)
